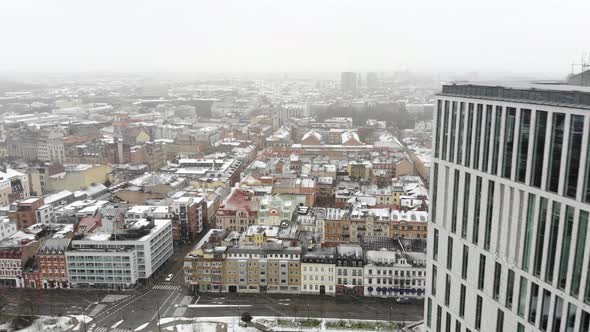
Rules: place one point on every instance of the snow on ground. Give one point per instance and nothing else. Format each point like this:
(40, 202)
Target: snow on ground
(141, 327)
(117, 324)
(232, 323)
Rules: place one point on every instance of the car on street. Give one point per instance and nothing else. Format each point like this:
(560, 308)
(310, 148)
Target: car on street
(169, 277)
(403, 300)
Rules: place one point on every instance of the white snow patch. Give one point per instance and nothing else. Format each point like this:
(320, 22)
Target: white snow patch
(141, 327)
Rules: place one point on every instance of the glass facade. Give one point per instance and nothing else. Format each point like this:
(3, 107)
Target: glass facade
(539, 148)
(557, 313)
(523, 144)
(508, 141)
(533, 300)
(555, 147)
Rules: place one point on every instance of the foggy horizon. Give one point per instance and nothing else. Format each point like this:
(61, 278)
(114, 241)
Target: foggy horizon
(524, 39)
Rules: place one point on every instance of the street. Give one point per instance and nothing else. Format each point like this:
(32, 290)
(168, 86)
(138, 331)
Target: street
(129, 309)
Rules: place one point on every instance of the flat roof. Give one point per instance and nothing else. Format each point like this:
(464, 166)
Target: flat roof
(543, 93)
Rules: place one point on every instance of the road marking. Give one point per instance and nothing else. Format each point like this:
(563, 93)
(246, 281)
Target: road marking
(218, 305)
(96, 310)
(197, 301)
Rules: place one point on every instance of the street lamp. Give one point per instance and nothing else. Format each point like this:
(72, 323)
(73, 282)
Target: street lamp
(390, 310)
(308, 311)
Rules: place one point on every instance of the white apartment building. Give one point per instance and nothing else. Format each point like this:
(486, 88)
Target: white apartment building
(394, 274)
(7, 228)
(318, 272)
(149, 242)
(508, 243)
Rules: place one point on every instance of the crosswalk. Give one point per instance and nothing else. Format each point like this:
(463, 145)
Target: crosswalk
(167, 287)
(108, 329)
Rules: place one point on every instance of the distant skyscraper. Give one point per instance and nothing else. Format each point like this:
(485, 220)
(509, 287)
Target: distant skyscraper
(371, 81)
(349, 82)
(509, 244)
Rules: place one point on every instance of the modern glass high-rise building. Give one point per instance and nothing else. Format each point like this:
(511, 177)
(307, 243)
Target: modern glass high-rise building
(509, 242)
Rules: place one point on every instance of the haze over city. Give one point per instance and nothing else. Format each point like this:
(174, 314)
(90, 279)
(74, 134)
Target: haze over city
(242, 166)
(489, 37)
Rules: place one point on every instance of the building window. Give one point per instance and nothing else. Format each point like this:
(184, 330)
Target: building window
(477, 142)
(429, 313)
(450, 253)
(508, 142)
(445, 131)
(523, 144)
(497, 278)
(433, 281)
(475, 235)
(579, 254)
(533, 303)
(565, 247)
(447, 290)
(434, 193)
(435, 245)
(490, 208)
(510, 289)
(557, 313)
(469, 135)
(500, 321)
(455, 201)
(478, 309)
(528, 232)
(460, 133)
(482, 272)
(522, 296)
(465, 262)
(545, 309)
(573, 155)
(571, 317)
(539, 148)
(486, 138)
(553, 234)
(465, 218)
(462, 301)
(438, 318)
(555, 147)
(540, 237)
(496, 147)
(453, 131)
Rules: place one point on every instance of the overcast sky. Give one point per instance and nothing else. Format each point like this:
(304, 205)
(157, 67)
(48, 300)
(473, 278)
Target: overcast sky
(532, 36)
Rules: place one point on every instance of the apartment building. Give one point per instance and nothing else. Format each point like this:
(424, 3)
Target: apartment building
(510, 191)
(138, 251)
(389, 273)
(318, 272)
(272, 268)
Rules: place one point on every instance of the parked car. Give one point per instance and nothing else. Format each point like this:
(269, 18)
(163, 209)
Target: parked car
(169, 277)
(403, 300)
